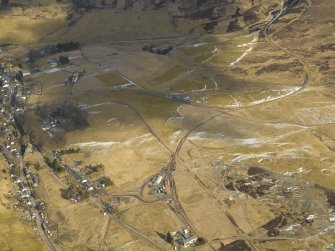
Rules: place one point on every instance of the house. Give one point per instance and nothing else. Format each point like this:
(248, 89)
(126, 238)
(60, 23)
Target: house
(15, 178)
(189, 241)
(25, 73)
(74, 77)
(114, 201)
(184, 237)
(158, 180)
(40, 205)
(108, 208)
(20, 185)
(35, 180)
(25, 194)
(185, 230)
(75, 198)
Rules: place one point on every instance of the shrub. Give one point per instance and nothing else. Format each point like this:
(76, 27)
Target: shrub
(63, 60)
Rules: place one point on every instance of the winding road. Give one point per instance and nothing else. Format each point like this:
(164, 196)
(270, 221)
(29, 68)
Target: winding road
(171, 166)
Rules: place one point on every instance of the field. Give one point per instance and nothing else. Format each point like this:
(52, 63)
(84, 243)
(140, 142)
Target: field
(239, 125)
(16, 232)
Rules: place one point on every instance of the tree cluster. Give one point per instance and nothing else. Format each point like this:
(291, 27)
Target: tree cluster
(88, 4)
(63, 60)
(74, 191)
(29, 125)
(54, 165)
(69, 151)
(158, 50)
(70, 117)
(4, 3)
(19, 76)
(93, 168)
(34, 54)
(61, 47)
(209, 27)
(169, 238)
(106, 181)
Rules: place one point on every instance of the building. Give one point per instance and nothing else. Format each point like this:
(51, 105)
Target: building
(184, 237)
(35, 180)
(158, 180)
(189, 241)
(26, 73)
(114, 201)
(75, 198)
(74, 77)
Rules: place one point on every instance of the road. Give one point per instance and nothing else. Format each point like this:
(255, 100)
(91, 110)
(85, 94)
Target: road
(146, 124)
(49, 244)
(139, 235)
(43, 234)
(171, 165)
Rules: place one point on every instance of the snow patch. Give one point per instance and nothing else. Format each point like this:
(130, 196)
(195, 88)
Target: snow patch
(85, 106)
(249, 141)
(111, 120)
(242, 157)
(52, 70)
(198, 44)
(137, 140)
(246, 52)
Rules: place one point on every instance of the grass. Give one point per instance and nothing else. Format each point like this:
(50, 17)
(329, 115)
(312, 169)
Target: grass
(14, 235)
(30, 25)
(169, 75)
(131, 165)
(112, 79)
(193, 199)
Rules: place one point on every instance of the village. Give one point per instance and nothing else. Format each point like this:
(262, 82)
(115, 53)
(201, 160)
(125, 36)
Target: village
(83, 180)
(24, 176)
(167, 125)
(25, 179)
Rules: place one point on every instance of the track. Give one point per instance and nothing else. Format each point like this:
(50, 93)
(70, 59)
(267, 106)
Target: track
(138, 234)
(171, 166)
(148, 127)
(269, 37)
(138, 197)
(103, 244)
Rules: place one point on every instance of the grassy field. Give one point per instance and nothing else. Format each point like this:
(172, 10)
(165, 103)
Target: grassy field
(16, 235)
(268, 121)
(31, 25)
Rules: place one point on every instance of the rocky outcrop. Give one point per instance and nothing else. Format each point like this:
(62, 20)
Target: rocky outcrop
(209, 16)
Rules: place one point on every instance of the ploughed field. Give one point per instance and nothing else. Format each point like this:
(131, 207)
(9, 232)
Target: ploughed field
(239, 125)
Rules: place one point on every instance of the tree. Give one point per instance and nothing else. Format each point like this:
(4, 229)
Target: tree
(108, 182)
(67, 193)
(200, 241)
(72, 190)
(64, 60)
(4, 2)
(19, 76)
(57, 167)
(169, 238)
(34, 54)
(37, 166)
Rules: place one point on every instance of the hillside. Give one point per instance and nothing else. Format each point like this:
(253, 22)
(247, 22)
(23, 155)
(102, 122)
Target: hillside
(168, 124)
